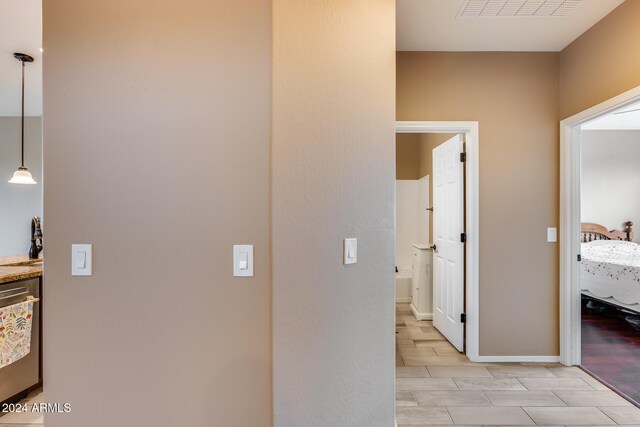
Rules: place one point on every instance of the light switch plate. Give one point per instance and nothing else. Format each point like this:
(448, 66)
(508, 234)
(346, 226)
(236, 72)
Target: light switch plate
(350, 251)
(243, 260)
(81, 260)
(552, 234)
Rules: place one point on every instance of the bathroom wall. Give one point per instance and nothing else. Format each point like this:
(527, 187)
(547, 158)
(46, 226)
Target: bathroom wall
(407, 220)
(414, 161)
(19, 203)
(408, 156)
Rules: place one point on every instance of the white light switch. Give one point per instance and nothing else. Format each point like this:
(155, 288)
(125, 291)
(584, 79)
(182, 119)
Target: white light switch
(81, 260)
(350, 251)
(552, 234)
(243, 260)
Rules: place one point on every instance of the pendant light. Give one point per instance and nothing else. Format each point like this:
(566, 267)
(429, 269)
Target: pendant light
(22, 175)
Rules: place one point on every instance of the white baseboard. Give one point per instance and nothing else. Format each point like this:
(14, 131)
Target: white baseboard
(504, 359)
(403, 300)
(420, 316)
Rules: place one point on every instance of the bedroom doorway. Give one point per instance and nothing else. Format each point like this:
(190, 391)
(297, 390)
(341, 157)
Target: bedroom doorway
(464, 336)
(600, 255)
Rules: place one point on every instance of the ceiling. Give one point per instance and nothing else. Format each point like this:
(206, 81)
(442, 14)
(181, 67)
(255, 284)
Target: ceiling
(20, 31)
(429, 25)
(627, 118)
(434, 25)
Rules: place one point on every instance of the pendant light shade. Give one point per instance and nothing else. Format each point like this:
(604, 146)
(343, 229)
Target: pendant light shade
(22, 175)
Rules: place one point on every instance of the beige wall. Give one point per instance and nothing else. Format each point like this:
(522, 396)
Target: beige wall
(603, 62)
(333, 177)
(514, 96)
(408, 156)
(157, 127)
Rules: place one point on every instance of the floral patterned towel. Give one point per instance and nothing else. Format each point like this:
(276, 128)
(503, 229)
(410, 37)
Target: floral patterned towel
(15, 332)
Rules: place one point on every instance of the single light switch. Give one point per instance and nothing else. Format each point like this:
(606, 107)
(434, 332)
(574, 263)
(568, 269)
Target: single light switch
(81, 260)
(552, 234)
(243, 260)
(350, 251)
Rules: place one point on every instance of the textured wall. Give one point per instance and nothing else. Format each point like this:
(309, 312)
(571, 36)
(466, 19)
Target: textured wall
(603, 62)
(333, 177)
(514, 96)
(19, 203)
(157, 127)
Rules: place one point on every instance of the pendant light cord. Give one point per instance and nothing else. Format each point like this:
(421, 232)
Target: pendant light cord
(22, 129)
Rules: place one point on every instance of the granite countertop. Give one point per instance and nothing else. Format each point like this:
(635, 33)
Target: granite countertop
(20, 267)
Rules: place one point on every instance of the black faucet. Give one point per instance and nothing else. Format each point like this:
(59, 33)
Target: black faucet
(36, 234)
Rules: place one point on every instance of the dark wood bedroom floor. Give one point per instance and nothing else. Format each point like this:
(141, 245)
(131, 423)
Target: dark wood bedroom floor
(611, 349)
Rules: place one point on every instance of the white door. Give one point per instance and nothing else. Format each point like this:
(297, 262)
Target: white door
(448, 225)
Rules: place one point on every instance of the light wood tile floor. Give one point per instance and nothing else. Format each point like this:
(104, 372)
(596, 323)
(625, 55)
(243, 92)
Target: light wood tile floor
(436, 385)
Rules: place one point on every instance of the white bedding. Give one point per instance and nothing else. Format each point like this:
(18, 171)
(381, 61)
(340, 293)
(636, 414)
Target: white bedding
(610, 270)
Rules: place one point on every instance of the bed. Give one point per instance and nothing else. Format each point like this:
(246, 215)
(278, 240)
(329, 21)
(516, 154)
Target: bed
(610, 268)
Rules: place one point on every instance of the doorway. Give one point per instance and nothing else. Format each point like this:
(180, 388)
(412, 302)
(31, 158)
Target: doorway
(600, 256)
(570, 221)
(470, 133)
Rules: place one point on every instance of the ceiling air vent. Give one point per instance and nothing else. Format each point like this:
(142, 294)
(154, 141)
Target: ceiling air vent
(518, 8)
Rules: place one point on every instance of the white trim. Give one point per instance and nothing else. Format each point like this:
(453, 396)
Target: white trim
(420, 316)
(472, 253)
(513, 359)
(403, 300)
(570, 222)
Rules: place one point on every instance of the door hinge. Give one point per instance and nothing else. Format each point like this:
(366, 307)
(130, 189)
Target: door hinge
(463, 157)
(463, 318)
(463, 237)
(579, 258)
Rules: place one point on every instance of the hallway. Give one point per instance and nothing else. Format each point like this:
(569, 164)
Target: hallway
(436, 385)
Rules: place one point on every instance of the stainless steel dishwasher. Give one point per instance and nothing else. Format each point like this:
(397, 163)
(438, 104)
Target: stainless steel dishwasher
(24, 375)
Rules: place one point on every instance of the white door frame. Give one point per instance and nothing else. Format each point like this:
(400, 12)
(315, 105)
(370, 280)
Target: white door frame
(472, 201)
(570, 301)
